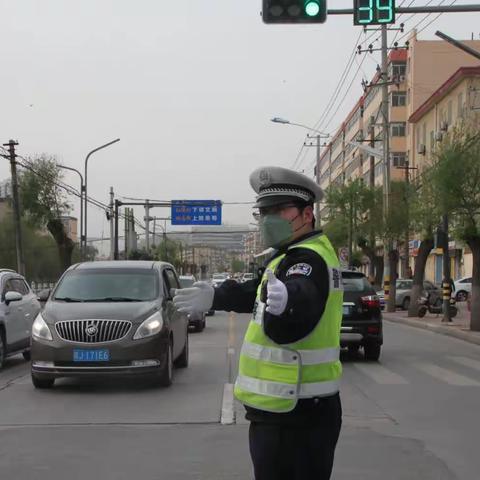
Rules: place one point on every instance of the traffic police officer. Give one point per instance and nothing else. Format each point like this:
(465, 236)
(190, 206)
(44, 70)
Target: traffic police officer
(289, 368)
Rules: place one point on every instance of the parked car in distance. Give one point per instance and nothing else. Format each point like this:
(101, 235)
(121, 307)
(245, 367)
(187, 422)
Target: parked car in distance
(18, 308)
(112, 318)
(463, 287)
(219, 278)
(196, 320)
(362, 318)
(404, 293)
(247, 276)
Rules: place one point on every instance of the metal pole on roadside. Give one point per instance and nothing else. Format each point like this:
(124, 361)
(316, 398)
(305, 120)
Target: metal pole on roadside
(147, 225)
(447, 282)
(115, 254)
(16, 207)
(85, 198)
(386, 170)
(112, 226)
(81, 205)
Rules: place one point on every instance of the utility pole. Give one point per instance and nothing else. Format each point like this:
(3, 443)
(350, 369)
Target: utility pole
(116, 252)
(147, 225)
(371, 128)
(127, 232)
(16, 207)
(112, 226)
(317, 171)
(390, 302)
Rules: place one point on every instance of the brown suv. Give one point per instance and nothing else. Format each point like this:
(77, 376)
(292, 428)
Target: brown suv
(110, 318)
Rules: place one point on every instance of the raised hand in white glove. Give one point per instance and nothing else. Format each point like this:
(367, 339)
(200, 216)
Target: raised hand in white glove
(277, 294)
(198, 298)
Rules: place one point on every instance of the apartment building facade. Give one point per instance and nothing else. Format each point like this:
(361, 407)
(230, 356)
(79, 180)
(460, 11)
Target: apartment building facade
(414, 74)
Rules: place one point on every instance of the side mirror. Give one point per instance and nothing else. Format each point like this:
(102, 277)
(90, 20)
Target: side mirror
(12, 297)
(44, 295)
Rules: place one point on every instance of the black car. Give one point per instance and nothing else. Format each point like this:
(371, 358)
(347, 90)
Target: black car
(362, 317)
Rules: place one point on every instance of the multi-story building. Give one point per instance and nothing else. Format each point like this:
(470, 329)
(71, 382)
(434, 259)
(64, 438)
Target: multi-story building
(457, 100)
(414, 75)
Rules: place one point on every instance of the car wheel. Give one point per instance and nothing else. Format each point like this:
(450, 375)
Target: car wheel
(182, 360)
(372, 351)
(406, 303)
(422, 311)
(27, 355)
(42, 382)
(353, 349)
(461, 296)
(200, 325)
(2, 350)
(166, 376)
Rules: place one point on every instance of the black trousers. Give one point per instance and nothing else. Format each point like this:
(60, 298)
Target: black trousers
(286, 452)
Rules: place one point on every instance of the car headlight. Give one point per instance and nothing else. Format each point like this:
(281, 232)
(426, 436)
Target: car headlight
(151, 326)
(40, 329)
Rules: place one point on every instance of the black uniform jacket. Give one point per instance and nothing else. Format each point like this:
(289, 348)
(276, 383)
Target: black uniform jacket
(306, 277)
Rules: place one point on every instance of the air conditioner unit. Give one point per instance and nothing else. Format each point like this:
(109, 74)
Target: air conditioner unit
(421, 149)
(439, 136)
(444, 126)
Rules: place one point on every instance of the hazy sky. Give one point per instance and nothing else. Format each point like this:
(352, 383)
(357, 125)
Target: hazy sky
(189, 87)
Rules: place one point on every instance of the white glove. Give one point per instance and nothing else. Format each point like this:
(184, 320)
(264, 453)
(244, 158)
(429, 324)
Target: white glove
(198, 298)
(277, 294)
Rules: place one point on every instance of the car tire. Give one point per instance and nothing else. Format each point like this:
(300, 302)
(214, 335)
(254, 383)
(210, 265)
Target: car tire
(406, 303)
(372, 351)
(461, 296)
(165, 378)
(422, 311)
(353, 349)
(200, 326)
(2, 350)
(182, 360)
(27, 355)
(42, 383)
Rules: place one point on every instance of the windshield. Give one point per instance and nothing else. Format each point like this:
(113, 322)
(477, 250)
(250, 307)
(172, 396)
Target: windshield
(108, 285)
(354, 282)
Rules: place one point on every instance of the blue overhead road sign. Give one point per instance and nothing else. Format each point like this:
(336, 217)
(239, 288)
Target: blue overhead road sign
(196, 212)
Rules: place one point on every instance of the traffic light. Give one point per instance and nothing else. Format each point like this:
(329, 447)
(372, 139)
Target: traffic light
(373, 12)
(294, 11)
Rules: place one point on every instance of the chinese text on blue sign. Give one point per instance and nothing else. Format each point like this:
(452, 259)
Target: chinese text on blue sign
(196, 212)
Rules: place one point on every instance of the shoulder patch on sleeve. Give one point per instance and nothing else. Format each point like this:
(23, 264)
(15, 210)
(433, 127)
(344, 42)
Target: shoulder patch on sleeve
(300, 269)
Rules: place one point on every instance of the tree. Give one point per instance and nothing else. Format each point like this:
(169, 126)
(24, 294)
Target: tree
(44, 202)
(237, 265)
(168, 251)
(424, 217)
(455, 175)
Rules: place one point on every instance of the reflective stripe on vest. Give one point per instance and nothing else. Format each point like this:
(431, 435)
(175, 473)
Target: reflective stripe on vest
(280, 355)
(285, 390)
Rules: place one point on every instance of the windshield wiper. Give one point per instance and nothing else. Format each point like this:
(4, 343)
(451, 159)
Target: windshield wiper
(69, 299)
(114, 299)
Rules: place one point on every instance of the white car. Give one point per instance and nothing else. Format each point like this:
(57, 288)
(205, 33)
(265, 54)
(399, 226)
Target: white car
(218, 279)
(463, 287)
(246, 277)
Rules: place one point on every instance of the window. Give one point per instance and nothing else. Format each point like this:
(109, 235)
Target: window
(355, 282)
(460, 105)
(171, 278)
(399, 159)
(337, 162)
(354, 119)
(20, 286)
(399, 68)
(399, 99)
(397, 129)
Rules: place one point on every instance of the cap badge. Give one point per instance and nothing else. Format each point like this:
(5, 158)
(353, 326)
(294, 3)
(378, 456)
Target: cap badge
(265, 178)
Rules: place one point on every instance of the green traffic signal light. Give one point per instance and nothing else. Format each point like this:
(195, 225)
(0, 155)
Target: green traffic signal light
(312, 8)
(294, 11)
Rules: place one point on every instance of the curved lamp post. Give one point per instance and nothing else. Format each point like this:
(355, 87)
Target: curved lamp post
(81, 203)
(84, 248)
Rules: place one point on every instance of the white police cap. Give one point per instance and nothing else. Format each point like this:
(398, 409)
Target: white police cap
(277, 185)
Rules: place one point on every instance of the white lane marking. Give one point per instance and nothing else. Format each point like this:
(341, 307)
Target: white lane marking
(228, 411)
(380, 374)
(467, 362)
(447, 376)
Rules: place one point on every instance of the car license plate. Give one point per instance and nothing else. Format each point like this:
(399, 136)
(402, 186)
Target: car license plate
(84, 355)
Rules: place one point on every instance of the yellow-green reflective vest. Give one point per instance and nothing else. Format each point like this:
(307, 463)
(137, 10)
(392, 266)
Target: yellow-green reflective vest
(272, 377)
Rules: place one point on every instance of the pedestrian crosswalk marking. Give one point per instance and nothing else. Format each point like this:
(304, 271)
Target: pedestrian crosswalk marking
(380, 374)
(467, 362)
(447, 376)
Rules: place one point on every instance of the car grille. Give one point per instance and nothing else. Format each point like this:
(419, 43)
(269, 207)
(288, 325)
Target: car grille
(92, 331)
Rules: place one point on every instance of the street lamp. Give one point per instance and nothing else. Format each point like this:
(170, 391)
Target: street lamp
(84, 246)
(81, 203)
(319, 135)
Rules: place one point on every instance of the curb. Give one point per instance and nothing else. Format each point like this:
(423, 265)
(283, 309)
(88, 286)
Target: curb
(442, 330)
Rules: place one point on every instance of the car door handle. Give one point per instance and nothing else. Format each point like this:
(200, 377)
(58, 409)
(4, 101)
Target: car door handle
(27, 314)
